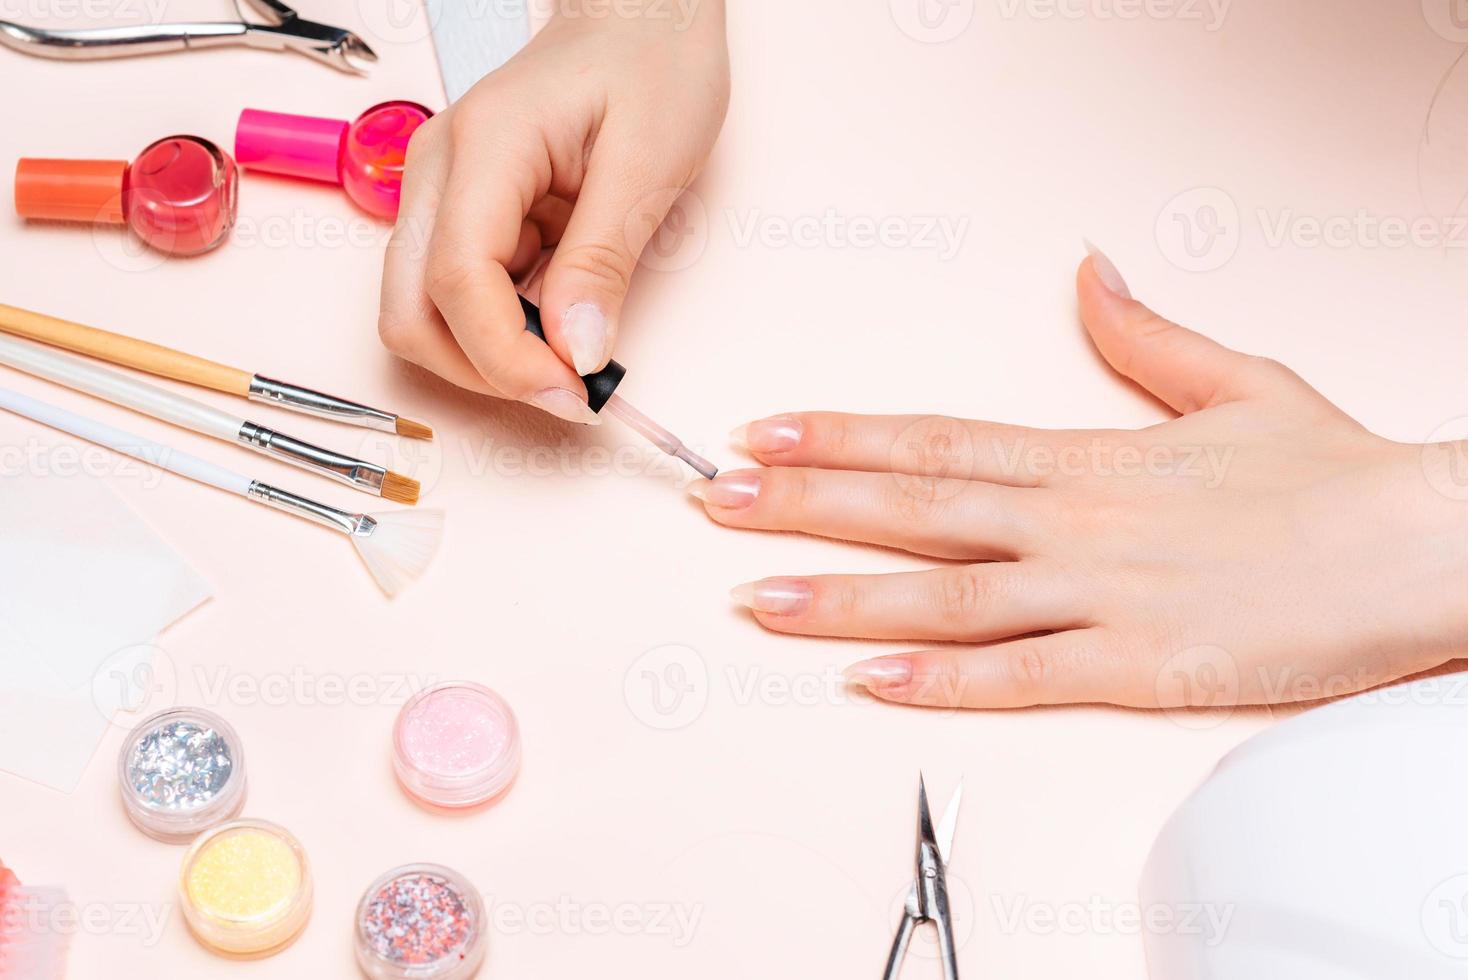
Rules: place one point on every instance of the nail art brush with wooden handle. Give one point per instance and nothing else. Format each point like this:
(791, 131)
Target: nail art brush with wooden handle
(168, 363)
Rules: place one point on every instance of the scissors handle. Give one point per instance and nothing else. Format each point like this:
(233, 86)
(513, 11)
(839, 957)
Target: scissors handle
(273, 10)
(945, 947)
(899, 947)
(334, 46)
(118, 42)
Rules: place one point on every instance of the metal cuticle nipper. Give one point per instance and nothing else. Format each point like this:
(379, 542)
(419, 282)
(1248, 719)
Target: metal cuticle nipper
(283, 30)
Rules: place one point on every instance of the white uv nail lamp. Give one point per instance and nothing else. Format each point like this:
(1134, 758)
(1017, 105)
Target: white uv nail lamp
(1332, 846)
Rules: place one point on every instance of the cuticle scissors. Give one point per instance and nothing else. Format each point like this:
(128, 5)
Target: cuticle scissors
(283, 30)
(927, 898)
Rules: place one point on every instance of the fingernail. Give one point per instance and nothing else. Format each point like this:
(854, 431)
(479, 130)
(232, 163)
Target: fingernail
(729, 490)
(584, 329)
(564, 404)
(776, 596)
(776, 434)
(1106, 271)
(880, 674)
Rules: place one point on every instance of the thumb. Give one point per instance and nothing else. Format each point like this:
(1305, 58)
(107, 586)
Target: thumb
(621, 204)
(1185, 369)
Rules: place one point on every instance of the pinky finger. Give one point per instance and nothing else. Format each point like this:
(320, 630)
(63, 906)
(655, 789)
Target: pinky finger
(1070, 667)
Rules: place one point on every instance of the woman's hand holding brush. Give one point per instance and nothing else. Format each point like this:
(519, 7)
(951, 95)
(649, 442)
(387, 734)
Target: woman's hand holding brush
(1262, 547)
(581, 142)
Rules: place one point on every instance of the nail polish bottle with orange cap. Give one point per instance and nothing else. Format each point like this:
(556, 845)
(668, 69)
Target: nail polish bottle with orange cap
(178, 196)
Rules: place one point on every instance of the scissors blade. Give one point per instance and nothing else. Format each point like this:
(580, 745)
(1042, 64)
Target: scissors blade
(944, 836)
(947, 826)
(927, 861)
(949, 823)
(925, 817)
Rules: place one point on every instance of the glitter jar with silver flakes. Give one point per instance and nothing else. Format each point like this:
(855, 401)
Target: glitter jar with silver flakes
(181, 771)
(421, 922)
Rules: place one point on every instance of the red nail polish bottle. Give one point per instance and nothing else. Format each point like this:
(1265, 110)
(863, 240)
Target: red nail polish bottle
(179, 195)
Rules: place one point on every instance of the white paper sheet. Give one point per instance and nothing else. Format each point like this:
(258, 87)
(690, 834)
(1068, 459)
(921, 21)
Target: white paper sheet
(85, 586)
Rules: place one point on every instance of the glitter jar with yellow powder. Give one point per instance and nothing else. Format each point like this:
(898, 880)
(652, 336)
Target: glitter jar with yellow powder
(246, 887)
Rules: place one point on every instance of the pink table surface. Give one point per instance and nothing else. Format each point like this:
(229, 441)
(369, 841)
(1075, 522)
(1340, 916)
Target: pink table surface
(733, 782)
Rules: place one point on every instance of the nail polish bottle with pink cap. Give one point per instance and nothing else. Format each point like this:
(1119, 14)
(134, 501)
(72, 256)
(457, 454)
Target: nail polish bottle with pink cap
(364, 156)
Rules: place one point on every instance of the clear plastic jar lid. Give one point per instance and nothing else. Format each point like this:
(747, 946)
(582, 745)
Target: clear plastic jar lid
(245, 887)
(421, 922)
(456, 745)
(181, 771)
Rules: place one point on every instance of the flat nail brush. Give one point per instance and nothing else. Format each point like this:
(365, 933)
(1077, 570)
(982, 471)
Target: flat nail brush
(396, 547)
(168, 363)
(601, 393)
(118, 388)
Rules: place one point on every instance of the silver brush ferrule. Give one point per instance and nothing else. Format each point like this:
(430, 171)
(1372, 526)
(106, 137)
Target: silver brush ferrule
(316, 403)
(353, 524)
(346, 469)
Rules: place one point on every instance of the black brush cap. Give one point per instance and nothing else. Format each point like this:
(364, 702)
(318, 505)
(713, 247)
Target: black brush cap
(599, 386)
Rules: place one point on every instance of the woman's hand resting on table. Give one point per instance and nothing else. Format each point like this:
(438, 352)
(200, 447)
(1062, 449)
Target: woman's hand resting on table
(1262, 547)
(582, 141)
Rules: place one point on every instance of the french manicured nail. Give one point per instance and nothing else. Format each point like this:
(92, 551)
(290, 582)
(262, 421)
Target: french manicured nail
(777, 434)
(729, 490)
(564, 404)
(584, 329)
(1106, 271)
(776, 596)
(880, 674)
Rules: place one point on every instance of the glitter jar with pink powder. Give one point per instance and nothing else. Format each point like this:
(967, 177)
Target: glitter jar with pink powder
(421, 922)
(456, 745)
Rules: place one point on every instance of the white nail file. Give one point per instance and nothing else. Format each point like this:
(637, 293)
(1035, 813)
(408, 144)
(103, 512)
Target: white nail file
(474, 37)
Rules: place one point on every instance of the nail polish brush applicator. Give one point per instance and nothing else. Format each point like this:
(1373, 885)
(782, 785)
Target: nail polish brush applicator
(601, 390)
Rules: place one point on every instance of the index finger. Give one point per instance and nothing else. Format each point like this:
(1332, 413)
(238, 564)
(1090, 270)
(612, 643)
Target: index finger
(408, 322)
(492, 184)
(920, 445)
